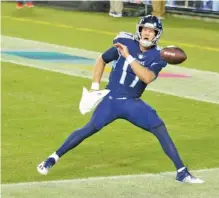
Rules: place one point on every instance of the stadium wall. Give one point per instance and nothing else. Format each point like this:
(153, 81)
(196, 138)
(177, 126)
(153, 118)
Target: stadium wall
(197, 9)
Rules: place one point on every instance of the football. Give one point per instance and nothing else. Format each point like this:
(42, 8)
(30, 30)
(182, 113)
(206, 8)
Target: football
(173, 55)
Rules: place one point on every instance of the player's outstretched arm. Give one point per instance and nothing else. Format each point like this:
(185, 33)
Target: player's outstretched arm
(97, 73)
(109, 55)
(143, 73)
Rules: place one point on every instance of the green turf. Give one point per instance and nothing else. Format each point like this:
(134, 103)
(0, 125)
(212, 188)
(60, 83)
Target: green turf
(40, 108)
(138, 186)
(199, 39)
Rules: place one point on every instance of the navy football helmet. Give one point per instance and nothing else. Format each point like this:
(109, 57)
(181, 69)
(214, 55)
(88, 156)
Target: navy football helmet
(150, 22)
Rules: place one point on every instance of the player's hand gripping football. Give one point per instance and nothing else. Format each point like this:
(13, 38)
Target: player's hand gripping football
(122, 49)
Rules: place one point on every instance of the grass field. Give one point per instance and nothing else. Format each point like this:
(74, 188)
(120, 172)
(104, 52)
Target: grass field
(40, 108)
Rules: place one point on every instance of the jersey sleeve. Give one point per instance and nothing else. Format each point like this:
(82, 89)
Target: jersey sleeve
(157, 66)
(110, 55)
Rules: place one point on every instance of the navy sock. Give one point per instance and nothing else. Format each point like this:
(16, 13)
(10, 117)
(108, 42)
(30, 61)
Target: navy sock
(76, 138)
(167, 144)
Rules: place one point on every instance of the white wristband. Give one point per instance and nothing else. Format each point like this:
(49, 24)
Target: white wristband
(130, 59)
(95, 86)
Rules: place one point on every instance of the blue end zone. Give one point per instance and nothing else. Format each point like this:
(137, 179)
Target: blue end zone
(50, 56)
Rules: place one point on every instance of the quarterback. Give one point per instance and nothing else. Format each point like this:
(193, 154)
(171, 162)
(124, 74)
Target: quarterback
(136, 63)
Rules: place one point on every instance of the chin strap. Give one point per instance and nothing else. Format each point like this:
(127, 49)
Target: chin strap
(145, 43)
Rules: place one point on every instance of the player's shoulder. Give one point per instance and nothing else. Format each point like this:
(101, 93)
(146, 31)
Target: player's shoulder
(158, 57)
(124, 36)
(156, 51)
(155, 54)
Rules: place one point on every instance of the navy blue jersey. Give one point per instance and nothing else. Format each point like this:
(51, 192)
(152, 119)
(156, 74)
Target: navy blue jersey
(122, 81)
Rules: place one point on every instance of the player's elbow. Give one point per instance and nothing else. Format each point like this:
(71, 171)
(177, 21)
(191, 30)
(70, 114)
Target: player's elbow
(147, 80)
(148, 77)
(101, 61)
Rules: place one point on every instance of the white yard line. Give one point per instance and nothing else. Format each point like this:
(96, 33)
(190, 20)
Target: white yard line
(161, 185)
(117, 177)
(201, 86)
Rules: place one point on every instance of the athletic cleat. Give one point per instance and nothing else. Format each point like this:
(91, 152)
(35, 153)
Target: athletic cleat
(111, 14)
(114, 14)
(117, 15)
(185, 176)
(43, 168)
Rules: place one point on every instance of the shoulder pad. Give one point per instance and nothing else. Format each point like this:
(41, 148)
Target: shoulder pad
(125, 35)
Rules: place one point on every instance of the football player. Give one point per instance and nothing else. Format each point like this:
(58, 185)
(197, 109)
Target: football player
(136, 63)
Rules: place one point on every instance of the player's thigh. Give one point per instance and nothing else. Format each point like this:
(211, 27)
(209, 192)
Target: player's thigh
(142, 115)
(103, 114)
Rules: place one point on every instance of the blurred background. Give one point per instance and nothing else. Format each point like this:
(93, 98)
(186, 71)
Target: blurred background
(203, 8)
(48, 49)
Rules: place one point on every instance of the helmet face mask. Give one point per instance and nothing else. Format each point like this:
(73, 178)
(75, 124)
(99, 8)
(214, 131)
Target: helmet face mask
(150, 22)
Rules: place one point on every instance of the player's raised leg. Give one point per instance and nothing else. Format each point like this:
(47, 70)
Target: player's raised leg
(145, 117)
(72, 141)
(183, 175)
(103, 115)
